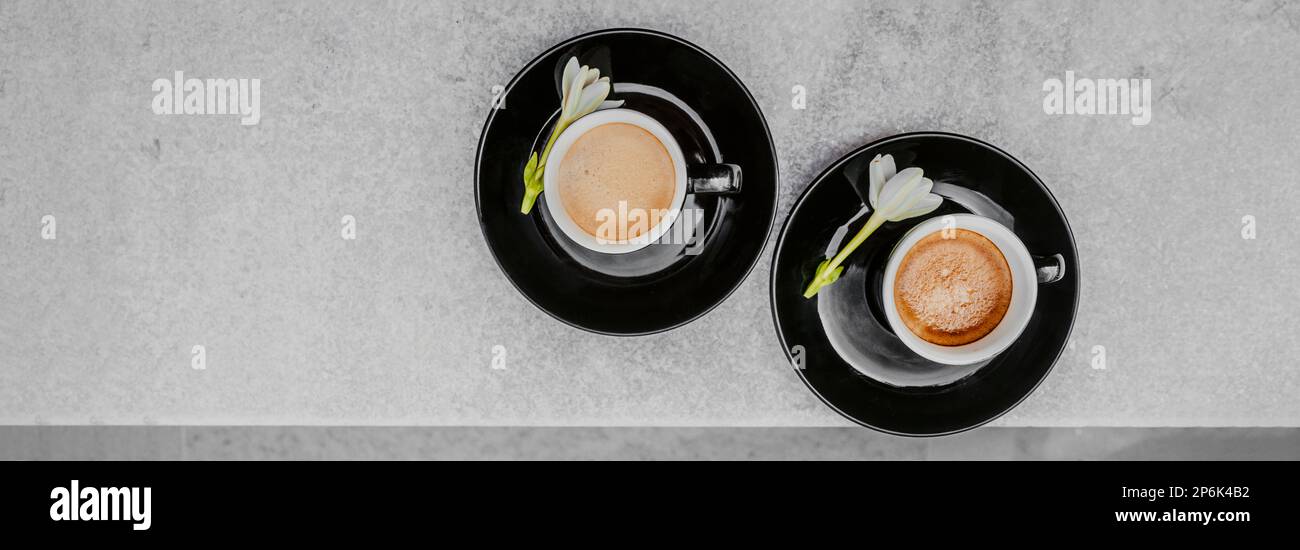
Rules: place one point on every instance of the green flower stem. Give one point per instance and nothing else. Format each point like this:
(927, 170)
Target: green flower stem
(550, 142)
(531, 191)
(829, 272)
(533, 181)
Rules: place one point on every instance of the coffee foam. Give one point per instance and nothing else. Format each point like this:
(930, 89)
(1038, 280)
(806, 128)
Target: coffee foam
(613, 163)
(953, 291)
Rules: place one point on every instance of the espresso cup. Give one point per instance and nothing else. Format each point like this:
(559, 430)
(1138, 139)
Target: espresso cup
(688, 179)
(1027, 272)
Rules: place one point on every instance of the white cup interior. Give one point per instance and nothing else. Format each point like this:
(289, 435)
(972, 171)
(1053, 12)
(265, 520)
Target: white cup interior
(555, 202)
(1024, 291)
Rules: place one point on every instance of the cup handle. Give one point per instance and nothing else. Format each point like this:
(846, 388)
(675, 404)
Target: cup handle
(713, 179)
(1049, 268)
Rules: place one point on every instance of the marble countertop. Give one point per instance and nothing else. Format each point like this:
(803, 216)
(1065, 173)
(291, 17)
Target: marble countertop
(176, 231)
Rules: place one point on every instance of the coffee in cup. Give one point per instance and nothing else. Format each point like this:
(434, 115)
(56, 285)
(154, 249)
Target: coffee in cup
(612, 166)
(959, 289)
(616, 181)
(953, 287)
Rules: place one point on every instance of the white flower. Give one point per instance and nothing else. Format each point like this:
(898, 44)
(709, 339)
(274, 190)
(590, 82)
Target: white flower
(582, 91)
(893, 196)
(899, 196)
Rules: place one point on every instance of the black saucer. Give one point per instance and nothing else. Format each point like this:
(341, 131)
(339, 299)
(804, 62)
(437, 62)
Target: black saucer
(867, 374)
(715, 120)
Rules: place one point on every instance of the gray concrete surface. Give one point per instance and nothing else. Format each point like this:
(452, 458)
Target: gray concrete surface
(506, 443)
(176, 231)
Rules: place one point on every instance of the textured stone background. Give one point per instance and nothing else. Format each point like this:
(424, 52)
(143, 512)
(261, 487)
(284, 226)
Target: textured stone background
(699, 443)
(176, 231)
